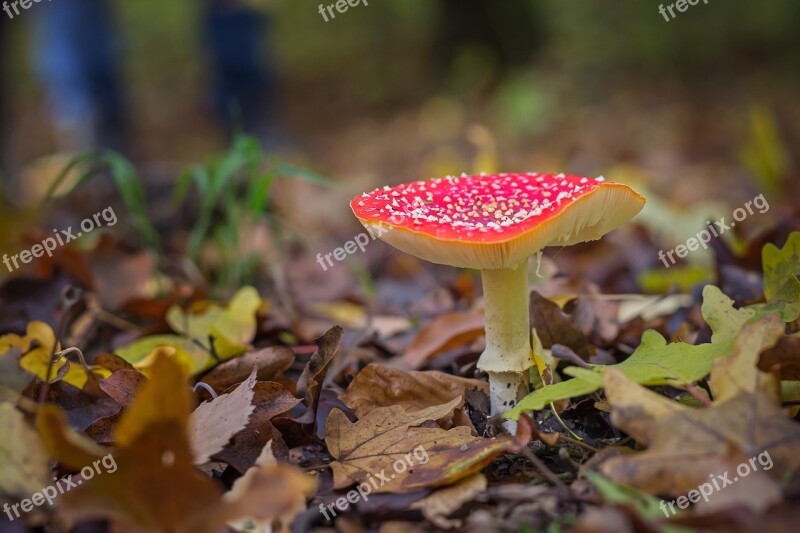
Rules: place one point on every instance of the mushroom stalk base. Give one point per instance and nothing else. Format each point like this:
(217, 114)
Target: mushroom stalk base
(505, 390)
(507, 357)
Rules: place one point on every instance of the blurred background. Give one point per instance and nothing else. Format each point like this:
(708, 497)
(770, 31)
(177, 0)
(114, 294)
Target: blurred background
(701, 113)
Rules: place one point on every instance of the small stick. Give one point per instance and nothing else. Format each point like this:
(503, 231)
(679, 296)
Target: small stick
(542, 468)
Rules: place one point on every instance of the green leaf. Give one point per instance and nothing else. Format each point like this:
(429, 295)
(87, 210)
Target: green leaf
(724, 319)
(781, 268)
(653, 363)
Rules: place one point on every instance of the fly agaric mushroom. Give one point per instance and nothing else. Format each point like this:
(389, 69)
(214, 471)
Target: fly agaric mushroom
(495, 223)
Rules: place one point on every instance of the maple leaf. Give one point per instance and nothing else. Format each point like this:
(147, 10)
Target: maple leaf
(655, 362)
(390, 435)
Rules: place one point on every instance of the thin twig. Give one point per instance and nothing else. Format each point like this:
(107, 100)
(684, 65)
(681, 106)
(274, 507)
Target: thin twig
(542, 468)
(579, 443)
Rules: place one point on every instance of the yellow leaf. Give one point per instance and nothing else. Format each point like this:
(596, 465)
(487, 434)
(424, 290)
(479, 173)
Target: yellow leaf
(165, 397)
(37, 347)
(232, 328)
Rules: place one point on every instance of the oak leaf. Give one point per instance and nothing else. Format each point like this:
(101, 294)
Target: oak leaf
(688, 447)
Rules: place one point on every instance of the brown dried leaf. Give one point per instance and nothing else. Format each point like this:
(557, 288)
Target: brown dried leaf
(379, 386)
(270, 362)
(442, 503)
(687, 445)
(155, 486)
(310, 382)
(445, 333)
(123, 385)
(390, 436)
(554, 326)
(737, 373)
(270, 400)
(783, 359)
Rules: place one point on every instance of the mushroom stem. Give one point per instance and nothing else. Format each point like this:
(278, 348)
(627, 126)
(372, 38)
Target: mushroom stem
(507, 357)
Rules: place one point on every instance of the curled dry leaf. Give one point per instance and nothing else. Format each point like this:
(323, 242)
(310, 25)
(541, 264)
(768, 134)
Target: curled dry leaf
(444, 333)
(554, 326)
(309, 385)
(213, 423)
(269, 361)
(390, 436)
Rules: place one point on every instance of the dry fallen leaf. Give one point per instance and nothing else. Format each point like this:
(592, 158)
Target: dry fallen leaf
(123, 385)
(24, 466)
(270, 400)
(737, 372)
(687, 446)
(270, 362)
(309, 384)
(380, 386)
(155, 486)
(213, 423)
(783, 359)
(444, 502)
(389, 437)
(285, 486)
(444, 333)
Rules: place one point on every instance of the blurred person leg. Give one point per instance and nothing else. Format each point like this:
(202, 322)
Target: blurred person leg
(77, 59)
(244, 80)
(4, 115)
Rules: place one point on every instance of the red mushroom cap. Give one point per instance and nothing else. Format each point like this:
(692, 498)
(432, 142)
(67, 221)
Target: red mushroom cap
(494, 221)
